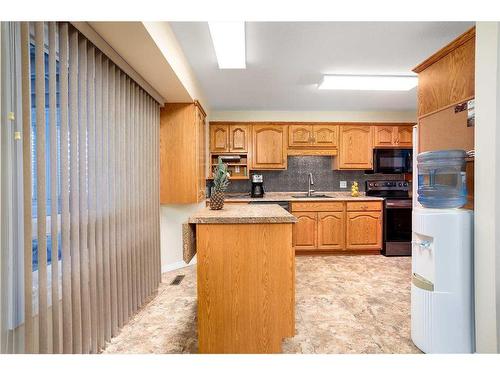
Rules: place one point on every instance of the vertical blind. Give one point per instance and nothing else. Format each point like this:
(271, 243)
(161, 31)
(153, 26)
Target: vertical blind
(91, 206)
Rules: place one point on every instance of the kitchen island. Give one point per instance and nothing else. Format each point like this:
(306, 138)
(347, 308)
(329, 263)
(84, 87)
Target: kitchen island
(246, 278)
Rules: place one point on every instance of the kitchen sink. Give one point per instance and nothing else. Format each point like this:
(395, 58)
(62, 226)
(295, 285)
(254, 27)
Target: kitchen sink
(312, 196)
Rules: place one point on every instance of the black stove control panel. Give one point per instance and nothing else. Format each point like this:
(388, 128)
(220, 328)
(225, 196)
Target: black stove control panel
(384, 188)
(387, 185)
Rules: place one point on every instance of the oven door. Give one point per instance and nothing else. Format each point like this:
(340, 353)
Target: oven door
(397, 227)
(392, 160)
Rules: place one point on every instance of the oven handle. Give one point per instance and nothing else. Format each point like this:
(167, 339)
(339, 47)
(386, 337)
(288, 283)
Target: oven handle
(397, 205)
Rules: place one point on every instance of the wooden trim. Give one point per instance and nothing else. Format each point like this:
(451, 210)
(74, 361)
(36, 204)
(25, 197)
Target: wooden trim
(317, 206)
(198, 104)
(362, 123)
(445, 107)
(311, 152)
(454, 44)
(336, 252)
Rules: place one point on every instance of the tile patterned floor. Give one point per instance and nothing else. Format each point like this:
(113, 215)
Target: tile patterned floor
(345, 304)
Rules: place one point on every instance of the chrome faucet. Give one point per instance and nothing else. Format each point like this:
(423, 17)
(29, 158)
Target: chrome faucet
(311, 182)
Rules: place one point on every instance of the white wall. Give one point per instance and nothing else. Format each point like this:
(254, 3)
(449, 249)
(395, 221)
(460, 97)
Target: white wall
(486, 182)
(165, 39)
(172, 216)
(171, 219)
(334, 116)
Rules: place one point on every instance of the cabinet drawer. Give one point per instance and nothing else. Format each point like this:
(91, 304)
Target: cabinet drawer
(318, 206)
(364, 206)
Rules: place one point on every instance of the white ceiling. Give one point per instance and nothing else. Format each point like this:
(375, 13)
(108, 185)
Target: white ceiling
(285, 62)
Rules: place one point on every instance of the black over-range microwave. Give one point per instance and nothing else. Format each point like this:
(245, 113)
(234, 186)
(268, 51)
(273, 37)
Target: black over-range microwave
(397, 160)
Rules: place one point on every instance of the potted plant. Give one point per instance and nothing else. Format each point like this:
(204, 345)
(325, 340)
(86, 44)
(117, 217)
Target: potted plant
(221, 182)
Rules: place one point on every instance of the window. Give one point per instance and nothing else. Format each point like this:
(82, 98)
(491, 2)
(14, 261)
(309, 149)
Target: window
(34, 205)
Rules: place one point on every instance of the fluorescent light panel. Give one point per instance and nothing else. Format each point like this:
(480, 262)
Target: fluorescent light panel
(229, 44)
(369, 83)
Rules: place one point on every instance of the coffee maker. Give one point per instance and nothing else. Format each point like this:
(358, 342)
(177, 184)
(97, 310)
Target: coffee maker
(257, 186)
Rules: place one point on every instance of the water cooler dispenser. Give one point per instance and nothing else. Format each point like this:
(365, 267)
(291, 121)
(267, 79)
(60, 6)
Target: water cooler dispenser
(442, 308)
(442, 287)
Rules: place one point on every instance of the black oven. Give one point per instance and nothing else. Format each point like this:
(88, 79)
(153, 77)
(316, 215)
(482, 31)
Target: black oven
(397, 214)
(397, 226)
(397, 160)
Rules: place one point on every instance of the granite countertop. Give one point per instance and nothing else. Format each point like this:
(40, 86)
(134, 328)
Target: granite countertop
(288, 196)
(243, 214)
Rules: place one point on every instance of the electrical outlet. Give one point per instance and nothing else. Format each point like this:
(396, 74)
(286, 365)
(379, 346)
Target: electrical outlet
(343, 184)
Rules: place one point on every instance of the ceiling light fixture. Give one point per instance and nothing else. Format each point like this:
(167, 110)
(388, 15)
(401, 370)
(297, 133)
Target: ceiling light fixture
(369, 83)
(229, 44)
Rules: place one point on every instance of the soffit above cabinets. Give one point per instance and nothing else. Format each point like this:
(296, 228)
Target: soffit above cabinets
(133, 42)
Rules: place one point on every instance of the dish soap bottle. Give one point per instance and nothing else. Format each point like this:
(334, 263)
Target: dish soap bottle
(355, 189)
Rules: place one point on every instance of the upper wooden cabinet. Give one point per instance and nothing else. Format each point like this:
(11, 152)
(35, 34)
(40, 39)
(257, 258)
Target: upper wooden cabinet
(219, 138)
(384, 136)
(228, 138)
(238, 138)
(182, 153)
(300, 135)
(201, 143)
(393, 136)
(355, 147)
(447, 77)
(404, 136)
(312, 136)
(325, 135)
(269, 145)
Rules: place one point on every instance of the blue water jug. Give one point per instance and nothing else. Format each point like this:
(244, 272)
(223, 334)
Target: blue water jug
(441, 179)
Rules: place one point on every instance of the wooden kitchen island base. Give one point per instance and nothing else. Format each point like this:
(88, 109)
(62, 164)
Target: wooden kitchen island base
(246, 286)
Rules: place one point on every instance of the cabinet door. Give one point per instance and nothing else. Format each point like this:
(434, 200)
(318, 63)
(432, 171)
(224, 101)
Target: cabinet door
(200, 124)
(305, 231)
(300, 135)
(219, 138)
(404, 137)
(269, 147)
(384, 135)
(356, 147)
(325, 136)
(364, 231)
(238, 138)
(331, 229)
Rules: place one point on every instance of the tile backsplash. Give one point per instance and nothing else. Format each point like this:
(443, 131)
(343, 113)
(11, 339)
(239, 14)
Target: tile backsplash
(295, 177)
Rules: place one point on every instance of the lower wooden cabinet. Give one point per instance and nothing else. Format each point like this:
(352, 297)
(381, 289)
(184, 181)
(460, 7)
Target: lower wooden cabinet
(305, 231)
(364, 230)
(331, 229)
(330, 226)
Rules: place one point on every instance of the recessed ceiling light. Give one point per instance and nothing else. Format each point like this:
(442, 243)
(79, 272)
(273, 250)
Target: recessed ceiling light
(229, 44)
(375, 83)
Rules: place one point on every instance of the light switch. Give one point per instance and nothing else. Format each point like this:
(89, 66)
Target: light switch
(343, 184)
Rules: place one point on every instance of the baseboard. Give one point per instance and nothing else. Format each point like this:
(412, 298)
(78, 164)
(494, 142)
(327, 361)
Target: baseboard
(176, 265)
(337, 252)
